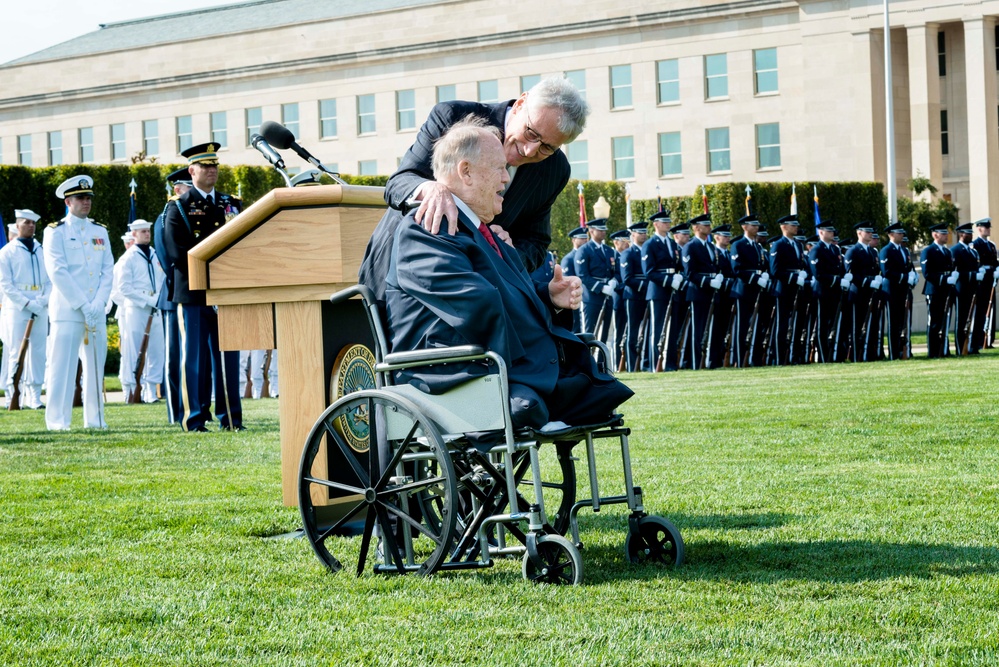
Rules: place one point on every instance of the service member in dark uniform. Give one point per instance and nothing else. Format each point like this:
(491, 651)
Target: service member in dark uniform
(596, 266)
(621, 240)
(787, 266)
(970, 276)
(545, 272)
(578, 237)
(635, 287)
(827, 276)
(899, 279)
(190, 219)
(663, 269)
(985, 307)
(750, 263)
(864, 270)
(725, 299)
(939, 279)
(700, 268)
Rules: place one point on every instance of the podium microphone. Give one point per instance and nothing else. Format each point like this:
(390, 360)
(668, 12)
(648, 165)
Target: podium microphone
(281, 137)
(271, 155)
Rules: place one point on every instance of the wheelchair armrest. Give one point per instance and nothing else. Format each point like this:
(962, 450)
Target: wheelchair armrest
(363, 290)
(432, 356)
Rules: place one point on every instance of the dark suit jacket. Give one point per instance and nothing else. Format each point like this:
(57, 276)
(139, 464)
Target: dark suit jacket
(526, 204)
(448, 290)
(188, 221)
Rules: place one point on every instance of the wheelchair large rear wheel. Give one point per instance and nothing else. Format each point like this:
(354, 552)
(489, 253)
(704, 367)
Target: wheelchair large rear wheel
(364, 462)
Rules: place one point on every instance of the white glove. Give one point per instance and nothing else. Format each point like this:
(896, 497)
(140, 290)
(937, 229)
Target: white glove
(844, 284)
(802, 274)
(107, 308)
(955, 275)
(90, 313)
(801, 278)
(981, 274)
(952, 279)
(848, 277)
(913, 278)
(152, 301)
(33, 307)
(876, 282)
(613, 283)
(717, 281)
(677, 281)
(608, 290)
(763, 280)
(995, 274)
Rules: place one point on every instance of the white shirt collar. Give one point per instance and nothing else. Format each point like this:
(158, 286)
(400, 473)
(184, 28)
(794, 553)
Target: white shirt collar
(206, 194)
(463, 207)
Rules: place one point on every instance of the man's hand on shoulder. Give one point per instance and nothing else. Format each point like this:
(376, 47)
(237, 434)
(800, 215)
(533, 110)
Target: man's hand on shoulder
(436, 203)
(565, 291)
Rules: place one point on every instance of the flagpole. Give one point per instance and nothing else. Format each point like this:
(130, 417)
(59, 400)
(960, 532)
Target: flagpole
(627, 204)
(889, 111)
(582, 205)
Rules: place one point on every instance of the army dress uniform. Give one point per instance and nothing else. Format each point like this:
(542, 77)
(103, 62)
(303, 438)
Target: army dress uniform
(190, 219)
(140, 283)
(596, 267)
(635, 287)
(986, 301)
(78, 259)
(25, 289)
(899, 279)
(939, 279)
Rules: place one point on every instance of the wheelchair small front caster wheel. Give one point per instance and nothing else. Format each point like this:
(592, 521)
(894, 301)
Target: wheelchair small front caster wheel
(559, 562)
(657, 541)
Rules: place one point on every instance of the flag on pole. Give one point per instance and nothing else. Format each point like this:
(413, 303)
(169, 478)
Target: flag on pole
(627, 204)
(818, 220)
(794, 201)
(659, 201)
(582, 206)
(749, 200)
(704, 198)
(131, 202)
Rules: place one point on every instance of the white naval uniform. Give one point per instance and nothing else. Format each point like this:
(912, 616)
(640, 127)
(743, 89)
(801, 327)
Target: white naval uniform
(25, 287)
(79, 262)
(139, 280)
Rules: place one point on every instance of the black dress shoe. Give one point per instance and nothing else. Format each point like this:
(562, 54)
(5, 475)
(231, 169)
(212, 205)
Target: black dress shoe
(240, 427)
(199, 429)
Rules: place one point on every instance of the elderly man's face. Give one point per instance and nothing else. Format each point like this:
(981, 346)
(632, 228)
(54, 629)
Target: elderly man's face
(485, 180)
(532, 134)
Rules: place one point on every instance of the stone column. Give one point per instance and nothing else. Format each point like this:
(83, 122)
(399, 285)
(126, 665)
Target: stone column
(924, 102)
(983, 117)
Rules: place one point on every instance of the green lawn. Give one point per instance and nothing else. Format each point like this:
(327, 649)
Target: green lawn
(833, 515)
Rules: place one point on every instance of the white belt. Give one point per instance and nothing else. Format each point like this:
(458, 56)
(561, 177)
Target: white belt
(29, 288)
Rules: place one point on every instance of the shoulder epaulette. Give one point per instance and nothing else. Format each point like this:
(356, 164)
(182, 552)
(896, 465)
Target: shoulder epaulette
(53, 225)
(173, 198)
(98, 224)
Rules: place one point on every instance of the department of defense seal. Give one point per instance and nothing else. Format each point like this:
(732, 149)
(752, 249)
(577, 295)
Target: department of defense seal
(353, 370)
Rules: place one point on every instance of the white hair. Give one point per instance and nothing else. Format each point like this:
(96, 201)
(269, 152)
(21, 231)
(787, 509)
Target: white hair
(462, 141)
(558, 93)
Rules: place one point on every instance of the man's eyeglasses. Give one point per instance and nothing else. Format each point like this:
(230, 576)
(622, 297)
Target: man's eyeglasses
(533, 137)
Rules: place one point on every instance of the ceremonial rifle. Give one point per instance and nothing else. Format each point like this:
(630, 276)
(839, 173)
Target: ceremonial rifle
(621, 349)
(135, 396)
(265, 386)
(987, 333)
(904, 353)
(750, 341)
(968, 323)
(729, 337)
(661, 345)
(794, 325)
(706, 336)
(15, 399)
(640, 342)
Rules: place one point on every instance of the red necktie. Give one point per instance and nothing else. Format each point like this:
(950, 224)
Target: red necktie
(489, 237)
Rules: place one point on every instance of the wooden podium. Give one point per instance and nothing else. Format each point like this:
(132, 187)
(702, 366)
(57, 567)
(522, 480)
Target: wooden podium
(271, 271)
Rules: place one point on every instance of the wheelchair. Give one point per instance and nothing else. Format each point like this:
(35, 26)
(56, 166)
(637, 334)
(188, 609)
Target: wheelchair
(413, 474)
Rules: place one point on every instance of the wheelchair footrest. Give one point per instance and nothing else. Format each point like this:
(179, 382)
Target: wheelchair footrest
(575, 432)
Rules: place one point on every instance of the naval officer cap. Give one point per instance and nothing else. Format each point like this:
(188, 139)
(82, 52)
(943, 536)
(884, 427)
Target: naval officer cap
(789, 220)
(600, 224)
(703, 219)
(139, 224)
(620, 235)
(639, 228)
(577, 233)
(202, 154)
(964, 229)
(77, 185)
(984, 222)
(722, 230)
(661, 216)
(941, 228)
(749, 220)
(894, 228)
(864, 226)
(180, 177)
(25, 214)
(307, 177)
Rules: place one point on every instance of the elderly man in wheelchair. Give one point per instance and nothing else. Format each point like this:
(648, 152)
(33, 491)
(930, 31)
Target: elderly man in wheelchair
(478, 376)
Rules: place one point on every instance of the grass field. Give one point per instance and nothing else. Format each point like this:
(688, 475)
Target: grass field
(832, 515)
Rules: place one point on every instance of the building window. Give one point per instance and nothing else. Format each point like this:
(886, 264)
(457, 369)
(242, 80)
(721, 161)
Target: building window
(577, 77)
(254, 118)
(716, 76)
(405, 109)
(366, 114)
(86, 145)
(24, 150)
(327, 119)
(118, 142)
(670, 162)
(578, 154)
(767, 145)
(623, 149)
(219, 128)
(446, 93)
(151, 137)
(185, 133)
(289, 117)
(668, 80)
(944, 141)
(528, 82)
(55, 148)
(941, 53)
(489, 91)
(765, 70)
(718, 150)
(367, 168)
(620, 80)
